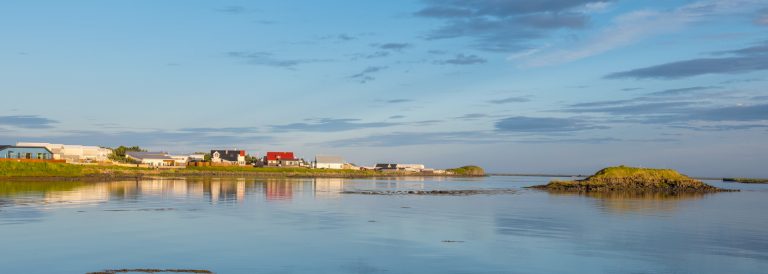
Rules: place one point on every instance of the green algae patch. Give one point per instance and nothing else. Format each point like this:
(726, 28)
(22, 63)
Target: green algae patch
(633, 179)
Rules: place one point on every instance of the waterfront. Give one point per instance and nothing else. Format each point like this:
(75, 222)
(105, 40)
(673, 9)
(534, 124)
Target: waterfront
(242, 225)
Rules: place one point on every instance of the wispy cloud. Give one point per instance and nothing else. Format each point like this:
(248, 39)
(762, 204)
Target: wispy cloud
(748, 59)
(544, 124)
(232, 10)
(331, 125)
(392, 46)
(510, 100)
(681, 91)
(504, 25)
(367, 74)
(637, 25)
(268, 59)
(27, 121)
(461, 59)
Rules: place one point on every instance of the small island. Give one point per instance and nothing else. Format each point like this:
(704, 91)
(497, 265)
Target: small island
(746, 180)
(633, 179)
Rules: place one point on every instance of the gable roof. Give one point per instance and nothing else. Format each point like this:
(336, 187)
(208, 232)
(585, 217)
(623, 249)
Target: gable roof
(329, 159)
(228, 155)
(274, 156)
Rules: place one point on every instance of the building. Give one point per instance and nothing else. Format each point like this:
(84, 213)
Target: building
(386, 167)
(282, 159)
(197, 157)
(232, 157)
(25, 152)
(329, 162)
(155, 159)
(400, 167)
(179, 160)
(73, 153)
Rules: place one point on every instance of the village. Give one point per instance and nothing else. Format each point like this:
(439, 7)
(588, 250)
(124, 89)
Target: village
(137, 157)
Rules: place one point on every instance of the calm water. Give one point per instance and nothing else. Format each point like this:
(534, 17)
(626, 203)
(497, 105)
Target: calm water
(307, 226)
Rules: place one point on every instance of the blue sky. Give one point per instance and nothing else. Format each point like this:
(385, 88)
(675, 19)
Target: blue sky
(565, 86)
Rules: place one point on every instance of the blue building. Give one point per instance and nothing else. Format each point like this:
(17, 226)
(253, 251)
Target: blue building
(23, 152)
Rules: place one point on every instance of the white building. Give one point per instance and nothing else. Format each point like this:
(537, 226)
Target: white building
(155, 159)
(329, 162)
(411, 167)
(74, 153)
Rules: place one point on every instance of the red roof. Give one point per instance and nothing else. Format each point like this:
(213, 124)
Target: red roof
(274, 156)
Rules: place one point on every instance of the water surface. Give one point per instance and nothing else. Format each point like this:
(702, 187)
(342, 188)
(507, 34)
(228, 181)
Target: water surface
(247, 225)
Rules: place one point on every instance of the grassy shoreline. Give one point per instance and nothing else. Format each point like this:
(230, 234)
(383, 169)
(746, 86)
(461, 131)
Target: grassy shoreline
(15, 171)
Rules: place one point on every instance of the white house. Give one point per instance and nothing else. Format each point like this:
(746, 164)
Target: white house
(74, 153)
(329, 162)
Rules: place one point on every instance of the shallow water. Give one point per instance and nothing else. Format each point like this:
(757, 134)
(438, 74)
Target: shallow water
(237, 225)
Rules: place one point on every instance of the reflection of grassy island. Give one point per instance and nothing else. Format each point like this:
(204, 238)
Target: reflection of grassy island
(45, 171)
(633, 179)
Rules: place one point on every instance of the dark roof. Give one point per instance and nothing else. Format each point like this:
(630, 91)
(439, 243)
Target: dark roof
(228, 155)
(386, 166)
(10, 146)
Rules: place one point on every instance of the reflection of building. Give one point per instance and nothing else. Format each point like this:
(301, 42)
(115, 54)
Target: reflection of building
(328, 187)
(329, 162)
(74, 153)
(278, 190)
(25, 152)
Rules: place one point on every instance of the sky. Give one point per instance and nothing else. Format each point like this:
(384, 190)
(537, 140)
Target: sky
(547, 86)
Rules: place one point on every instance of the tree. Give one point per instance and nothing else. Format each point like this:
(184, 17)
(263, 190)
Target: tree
(118, 154)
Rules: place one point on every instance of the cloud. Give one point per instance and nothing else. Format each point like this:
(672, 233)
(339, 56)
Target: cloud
(392, 46)
(461, 59)
(695, 67)
(681, 91)
(397, 101)
(233, 10)
(626, 29)
(496, 25)
(221, 130)
(419, 138)
(396, 117)
(510, 100)
(543, 124)
(472, 116)
(762, 18)
(732, 113)
(268, 59)
(366, 75)
(27, 121)
(754, 58)
(331, 125)
(157, 139)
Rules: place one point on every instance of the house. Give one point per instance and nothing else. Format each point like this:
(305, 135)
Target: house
(329, 162)
(73, 153)
(25, 152)
(282, 159)
(179, 160)
(155, 159)
(232, 157)
(386, 167)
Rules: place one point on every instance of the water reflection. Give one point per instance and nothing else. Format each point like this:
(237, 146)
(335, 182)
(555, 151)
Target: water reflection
(636, 202)
(214, 190)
